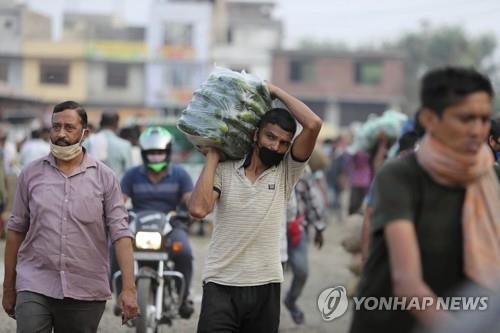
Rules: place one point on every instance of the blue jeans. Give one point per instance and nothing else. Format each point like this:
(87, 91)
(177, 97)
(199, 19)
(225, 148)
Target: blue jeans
(298, 260)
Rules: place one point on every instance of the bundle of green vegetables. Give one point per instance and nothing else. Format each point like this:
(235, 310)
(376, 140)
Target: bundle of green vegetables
(390, 123)
(225, 111)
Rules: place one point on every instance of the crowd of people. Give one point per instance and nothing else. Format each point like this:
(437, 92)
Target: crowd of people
(428, 212)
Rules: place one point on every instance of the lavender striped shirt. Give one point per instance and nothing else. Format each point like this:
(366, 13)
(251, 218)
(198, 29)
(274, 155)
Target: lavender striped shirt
(68, 221)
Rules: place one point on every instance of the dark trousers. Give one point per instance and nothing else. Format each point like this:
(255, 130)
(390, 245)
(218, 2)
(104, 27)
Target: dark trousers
(358, 194)
(183, 260)
(240, 309)
(40, 314)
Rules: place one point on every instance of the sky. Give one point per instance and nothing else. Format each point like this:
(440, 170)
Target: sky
(353, 22)
(356, 22)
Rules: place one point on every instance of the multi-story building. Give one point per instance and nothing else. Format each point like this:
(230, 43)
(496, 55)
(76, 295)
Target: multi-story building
(245, 34)
(341, 87)
(115, 56)
(18, 23)
(55, 71)
(92, 27)
(178, 37)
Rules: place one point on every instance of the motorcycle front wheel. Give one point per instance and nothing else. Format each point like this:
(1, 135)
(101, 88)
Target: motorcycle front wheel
(146, 301)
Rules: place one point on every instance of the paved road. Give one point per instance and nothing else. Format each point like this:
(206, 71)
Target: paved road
(328, 268)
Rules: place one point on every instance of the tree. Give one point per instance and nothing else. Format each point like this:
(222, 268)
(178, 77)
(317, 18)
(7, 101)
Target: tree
(431, 47)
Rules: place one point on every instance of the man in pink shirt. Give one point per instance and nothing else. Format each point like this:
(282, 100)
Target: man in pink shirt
(67, 206)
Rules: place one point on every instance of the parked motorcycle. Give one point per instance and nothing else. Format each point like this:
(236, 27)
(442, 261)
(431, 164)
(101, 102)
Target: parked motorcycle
(160, 289)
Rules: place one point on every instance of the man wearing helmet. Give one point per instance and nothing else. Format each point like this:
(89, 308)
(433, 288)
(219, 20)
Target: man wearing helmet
(243, 273)
(162, 186)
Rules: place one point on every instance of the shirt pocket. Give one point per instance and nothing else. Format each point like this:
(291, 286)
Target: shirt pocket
(87, 208)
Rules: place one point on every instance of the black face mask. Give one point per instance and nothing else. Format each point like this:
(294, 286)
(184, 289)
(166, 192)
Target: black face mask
(270, 157)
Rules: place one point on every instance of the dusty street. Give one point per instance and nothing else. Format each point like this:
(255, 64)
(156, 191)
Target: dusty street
(328, 267)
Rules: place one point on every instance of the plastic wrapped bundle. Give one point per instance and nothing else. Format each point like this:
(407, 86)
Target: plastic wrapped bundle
(390, 122)
(225, 111)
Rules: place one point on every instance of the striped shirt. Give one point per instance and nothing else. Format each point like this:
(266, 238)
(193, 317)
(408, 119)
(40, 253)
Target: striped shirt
(245, 246)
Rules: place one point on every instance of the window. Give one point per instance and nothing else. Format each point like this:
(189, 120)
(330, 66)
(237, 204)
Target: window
(368, 73)
(301, 70)
(4, 72)
(180, 76)
(229, 35)
(54, 73)
(180, 34)
(117, 75)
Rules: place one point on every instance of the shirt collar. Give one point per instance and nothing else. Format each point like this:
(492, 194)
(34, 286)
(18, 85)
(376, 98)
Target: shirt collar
(244, 162)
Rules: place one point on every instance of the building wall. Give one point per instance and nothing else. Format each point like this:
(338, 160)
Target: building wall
(74, 90)
(247, 36)
(251, 49)
(102, 53)
(14, 71)
(35, 26)
(49, 49)
(331, 88)
(38, 52)
(18, 23)
(10, 32)
(336, 76)
(100, 93)
(165, 58)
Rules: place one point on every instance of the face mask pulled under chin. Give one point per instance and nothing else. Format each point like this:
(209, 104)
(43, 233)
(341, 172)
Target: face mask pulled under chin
(270, 157)
(66, 153)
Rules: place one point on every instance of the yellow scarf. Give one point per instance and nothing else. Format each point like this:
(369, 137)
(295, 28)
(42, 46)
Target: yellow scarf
(481, 209)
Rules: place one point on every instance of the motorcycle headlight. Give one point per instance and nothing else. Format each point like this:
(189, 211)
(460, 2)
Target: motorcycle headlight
(146, 240)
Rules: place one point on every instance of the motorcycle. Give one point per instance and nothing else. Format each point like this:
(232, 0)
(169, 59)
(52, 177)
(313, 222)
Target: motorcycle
(160, 289)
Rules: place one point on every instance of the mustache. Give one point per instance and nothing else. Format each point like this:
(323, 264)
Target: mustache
(62, 142)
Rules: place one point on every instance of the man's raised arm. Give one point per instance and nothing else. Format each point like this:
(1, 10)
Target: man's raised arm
(303, 145)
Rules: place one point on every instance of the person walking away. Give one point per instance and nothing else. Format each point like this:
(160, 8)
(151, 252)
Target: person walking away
(33, 148)
(108, 147)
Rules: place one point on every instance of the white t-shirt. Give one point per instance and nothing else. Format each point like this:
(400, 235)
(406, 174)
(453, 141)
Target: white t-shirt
(33, 149)
(245, 246)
